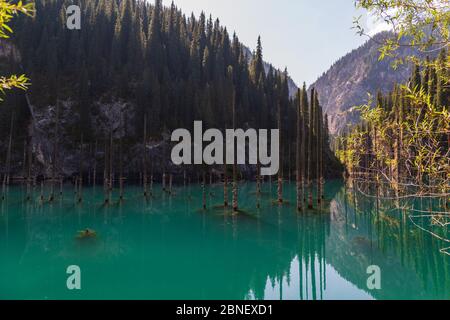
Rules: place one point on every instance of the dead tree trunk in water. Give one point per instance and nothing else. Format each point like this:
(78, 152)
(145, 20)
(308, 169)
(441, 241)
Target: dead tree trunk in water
(30, 162)
(204, 190)
(258, 184)
(111, 173)
(144, 158)
(6, 177)
(318, 150)
(55, 154)
(323, 147)
(42, 191)
(304, 105)
(310, 151)
(235, 186)
(225, 186)
(94, 174)
(121, 178)
(80, 182)
(164, 182)
(297, 156)
(24, 162)
(105, 170)
(280, 173)
(289, 164)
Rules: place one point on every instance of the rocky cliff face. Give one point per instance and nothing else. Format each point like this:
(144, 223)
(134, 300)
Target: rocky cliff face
(347, 83)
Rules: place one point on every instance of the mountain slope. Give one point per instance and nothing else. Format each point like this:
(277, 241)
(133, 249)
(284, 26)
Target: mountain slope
(348, 81)
(291, 83)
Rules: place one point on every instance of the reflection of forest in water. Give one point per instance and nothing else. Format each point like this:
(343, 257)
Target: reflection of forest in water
(167, 248)
(411, 263)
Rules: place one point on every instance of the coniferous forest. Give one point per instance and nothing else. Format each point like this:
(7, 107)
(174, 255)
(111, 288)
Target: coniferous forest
(135, 72)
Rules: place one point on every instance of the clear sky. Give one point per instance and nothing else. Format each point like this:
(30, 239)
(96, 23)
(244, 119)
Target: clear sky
(306, 36)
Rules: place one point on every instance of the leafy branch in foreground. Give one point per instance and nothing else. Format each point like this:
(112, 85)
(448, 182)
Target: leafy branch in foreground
(19, 82)
(8, 10)
(420, 24)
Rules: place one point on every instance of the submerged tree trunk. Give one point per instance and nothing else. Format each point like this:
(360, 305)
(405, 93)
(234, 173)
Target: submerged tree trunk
(280, 172)
(6, 176)
(55, 153)
(235, 187)
(258, 184)
(42, 191)
(80, 182)
(204, 190)
(310, 151)
(105, 171)
(318, 150)
(298, 147)
(304, 102)
(121, 177)
(225, 186)
(94, 174)
(235, 190)
(30, 163)
(144, 158)
(164, 182)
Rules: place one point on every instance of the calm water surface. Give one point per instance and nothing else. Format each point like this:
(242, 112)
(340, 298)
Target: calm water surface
(167, 248)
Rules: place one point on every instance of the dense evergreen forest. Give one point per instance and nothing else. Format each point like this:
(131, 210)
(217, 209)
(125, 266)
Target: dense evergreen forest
(169, 69)
(176, 69)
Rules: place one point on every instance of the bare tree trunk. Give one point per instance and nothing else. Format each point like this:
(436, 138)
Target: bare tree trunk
(204, 190)
(280, 172)
(121, 178)
(42, 191)
(322, 148)
(30, 162)
(235, 187)
(164, 182)
(310, 151)
(94, 174)
(80, 186)
(55, 153)
(6, 177)
(105, 171)
(24, 166)
(297, 156)
(235, 190)
(303, 142)
(144, 160)
(225, 186)
(318, 134)
(258, 184)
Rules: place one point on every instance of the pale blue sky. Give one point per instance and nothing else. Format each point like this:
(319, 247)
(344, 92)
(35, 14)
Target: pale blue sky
(306, 36)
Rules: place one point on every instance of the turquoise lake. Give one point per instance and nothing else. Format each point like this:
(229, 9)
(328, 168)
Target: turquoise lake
(166, 247)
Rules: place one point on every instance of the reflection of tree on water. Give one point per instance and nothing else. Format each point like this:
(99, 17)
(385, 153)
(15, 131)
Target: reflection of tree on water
(411, 265)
